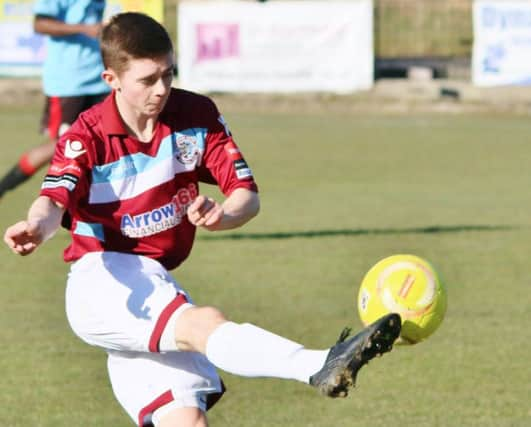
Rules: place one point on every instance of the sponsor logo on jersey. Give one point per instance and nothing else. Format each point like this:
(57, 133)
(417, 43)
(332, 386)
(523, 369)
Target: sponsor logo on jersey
(240, 165)
(74, 149)
(61, 168)
(161, 218)
(233, 151)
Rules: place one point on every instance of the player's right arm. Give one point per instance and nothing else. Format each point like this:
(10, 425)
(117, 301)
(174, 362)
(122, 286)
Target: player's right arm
(44, 218)
(53, 27)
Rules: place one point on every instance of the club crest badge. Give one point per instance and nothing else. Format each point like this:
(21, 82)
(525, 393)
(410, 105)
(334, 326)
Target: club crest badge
(188, 150)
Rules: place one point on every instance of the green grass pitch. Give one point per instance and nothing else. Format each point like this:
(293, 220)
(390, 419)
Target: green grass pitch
(339, 192)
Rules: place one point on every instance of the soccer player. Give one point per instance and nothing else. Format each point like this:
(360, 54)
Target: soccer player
(128, 173)
(71, 75)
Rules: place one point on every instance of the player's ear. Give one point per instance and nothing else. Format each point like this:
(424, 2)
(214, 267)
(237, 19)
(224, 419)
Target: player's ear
(109, 76)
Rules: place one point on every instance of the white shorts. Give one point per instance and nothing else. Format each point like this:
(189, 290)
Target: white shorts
(123, 303)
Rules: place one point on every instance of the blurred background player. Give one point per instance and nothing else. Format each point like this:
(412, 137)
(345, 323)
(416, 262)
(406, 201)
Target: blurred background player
(71, 75)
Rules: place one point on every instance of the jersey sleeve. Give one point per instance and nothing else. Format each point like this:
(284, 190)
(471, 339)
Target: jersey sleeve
(66, 180)
(223, 163)
(51, 8)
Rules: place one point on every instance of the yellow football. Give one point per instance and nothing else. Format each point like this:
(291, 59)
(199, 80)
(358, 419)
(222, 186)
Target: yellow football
(408, 285)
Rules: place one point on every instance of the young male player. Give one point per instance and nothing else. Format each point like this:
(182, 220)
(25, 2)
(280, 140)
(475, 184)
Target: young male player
(71, 75)
(127, 171)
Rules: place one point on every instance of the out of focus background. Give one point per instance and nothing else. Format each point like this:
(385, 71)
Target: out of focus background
(456, 54)
(373, 128)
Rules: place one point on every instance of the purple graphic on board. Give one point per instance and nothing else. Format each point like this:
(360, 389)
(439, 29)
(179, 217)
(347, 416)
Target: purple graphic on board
(217, 41)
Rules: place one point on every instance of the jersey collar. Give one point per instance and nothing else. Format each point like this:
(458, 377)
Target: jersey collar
(111, 120)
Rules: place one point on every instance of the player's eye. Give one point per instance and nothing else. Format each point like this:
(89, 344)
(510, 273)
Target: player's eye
(149, 81)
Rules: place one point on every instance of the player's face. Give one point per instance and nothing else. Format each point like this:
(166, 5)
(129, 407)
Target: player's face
(145, 85)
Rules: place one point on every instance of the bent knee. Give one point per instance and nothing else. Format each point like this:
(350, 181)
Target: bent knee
(210, 314)
(183, 417)
(194, 326)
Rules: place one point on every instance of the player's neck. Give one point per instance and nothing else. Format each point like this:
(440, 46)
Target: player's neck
(139, 126)
(142, 130)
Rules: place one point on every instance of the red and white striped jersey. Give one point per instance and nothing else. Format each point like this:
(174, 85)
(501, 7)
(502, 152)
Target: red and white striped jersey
(128, 196)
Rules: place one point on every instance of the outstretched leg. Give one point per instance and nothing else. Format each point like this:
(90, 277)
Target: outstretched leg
(247, 350)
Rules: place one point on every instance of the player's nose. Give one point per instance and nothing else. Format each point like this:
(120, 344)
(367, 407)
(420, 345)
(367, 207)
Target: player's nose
(161, 88)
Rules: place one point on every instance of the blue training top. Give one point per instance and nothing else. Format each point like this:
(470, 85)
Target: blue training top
(73, 65)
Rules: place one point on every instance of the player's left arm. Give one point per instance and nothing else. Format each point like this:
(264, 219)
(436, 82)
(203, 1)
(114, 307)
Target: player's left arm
(237, 209)
(223, 164)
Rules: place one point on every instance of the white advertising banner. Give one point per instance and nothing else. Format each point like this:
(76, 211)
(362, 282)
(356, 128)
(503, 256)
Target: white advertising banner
(502, 43)
(289, 46)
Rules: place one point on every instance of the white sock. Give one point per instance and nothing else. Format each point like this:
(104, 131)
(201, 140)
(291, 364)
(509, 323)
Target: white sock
(249, 351)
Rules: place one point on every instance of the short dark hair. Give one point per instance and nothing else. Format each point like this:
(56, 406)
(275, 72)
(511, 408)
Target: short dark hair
(132, 35)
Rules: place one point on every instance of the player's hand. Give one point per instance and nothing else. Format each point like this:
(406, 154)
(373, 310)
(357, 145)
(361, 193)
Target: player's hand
(93, 30)
(205, 212)
(23, 237)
